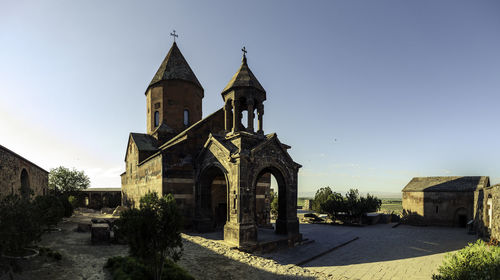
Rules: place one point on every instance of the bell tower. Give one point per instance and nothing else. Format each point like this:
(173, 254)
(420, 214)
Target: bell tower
(243, 94)
(174, 97)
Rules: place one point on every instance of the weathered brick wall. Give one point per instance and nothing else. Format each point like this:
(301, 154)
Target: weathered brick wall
(413, 202)
(170, 99)
(438, 208)
(11, 166)
(482, 225)
(138, 180)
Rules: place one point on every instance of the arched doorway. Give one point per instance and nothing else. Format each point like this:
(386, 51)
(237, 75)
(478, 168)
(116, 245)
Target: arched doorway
(264, 179)
(461, 217)
(25, 184)
(212, 198)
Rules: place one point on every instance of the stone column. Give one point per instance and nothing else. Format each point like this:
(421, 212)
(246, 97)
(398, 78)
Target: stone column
(250, 115)
(227, 116)
(236, 115)
(260, 113)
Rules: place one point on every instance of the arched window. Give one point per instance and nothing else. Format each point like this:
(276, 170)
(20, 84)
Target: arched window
(186, 117)
(157, 118)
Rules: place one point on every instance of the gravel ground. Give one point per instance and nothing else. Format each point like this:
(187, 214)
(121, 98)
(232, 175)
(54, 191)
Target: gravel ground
(202, 258)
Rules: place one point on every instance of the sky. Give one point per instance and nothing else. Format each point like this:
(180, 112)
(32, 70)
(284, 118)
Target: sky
(368, 93)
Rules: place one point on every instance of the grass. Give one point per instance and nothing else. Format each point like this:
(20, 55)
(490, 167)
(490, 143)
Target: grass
(300, 200)
(390, 205)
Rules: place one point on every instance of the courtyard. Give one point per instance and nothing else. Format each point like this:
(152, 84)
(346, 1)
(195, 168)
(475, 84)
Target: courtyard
(370, 252)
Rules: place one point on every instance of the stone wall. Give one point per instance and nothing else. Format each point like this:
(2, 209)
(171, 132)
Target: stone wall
(439, 208)
(140, 178)
(11, 167)
(481, 214)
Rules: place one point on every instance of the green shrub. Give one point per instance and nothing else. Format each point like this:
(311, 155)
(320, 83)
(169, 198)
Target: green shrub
(50, 209)
(68, 207)
(476, 261)
(350, 206)
(152, 231)
(19, 224)
(129, 268)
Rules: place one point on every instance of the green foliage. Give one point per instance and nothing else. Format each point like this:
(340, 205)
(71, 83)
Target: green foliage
(274, 203)
(74, 201)
(129, 268)
(19, 224)
(320, 198)
(476, 261)
(68, 207)
(352, 205)
(65, 181)
(50, 210)
(153, 231)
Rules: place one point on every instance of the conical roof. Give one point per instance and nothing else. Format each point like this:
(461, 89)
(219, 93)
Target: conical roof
(175, 67)
(243, 78)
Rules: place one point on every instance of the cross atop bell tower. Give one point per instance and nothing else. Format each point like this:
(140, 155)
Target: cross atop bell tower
(243, 93)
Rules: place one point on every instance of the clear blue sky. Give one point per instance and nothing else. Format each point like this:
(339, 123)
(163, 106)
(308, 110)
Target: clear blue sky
(408, 88)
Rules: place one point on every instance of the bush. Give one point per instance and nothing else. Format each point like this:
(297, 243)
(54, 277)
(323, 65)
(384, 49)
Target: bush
(476, 261)
(19, 224)
(50, 209)
(67, 205)
(129, 268)
(352, 205)
(152, 231)
(274, 203)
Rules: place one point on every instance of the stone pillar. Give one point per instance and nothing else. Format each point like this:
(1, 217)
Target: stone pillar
(250, 115)
(227, 116)
(260, 113)
(236, 115)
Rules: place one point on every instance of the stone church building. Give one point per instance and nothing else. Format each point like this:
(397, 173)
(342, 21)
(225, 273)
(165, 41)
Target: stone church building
(442, 201)
(218, 168)
(20, 176)
(454, 201)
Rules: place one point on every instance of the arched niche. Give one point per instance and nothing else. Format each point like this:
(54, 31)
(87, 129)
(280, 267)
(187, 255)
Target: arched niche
(212, 198)
(25, 184)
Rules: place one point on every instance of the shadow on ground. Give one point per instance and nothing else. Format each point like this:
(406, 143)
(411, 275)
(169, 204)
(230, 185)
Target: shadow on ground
(380, 243)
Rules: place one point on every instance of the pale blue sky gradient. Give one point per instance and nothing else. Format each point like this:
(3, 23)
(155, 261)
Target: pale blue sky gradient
(408, 88)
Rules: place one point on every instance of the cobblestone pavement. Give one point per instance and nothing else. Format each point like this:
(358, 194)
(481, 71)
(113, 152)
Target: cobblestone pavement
(383, 252)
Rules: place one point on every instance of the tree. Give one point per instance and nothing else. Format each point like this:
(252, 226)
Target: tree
(153, 231)
(352, 205)
(50, 209)
(334, 205)
(320, 198)
(19, 224)
(274, 203)
(65, 181)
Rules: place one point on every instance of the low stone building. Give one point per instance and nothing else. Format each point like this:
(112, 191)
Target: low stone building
(218, 168)
(97, 198)
(487, 211)
(442, 201)
(20, 176)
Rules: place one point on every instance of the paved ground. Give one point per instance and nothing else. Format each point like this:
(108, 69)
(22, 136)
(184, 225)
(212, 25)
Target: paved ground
(383, 252)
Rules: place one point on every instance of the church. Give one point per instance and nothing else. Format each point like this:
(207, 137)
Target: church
(218, 168)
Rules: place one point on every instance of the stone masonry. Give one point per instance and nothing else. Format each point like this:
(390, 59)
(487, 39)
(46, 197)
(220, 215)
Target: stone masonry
(218, 169)
(20, 176)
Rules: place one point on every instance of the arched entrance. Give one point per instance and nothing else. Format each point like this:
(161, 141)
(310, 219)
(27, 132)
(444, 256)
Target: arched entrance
(461, 217)
(264, 176)
(212, 198)
(25, 184)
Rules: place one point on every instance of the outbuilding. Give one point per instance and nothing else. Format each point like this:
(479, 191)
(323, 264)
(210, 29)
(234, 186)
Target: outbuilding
(442, 201)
